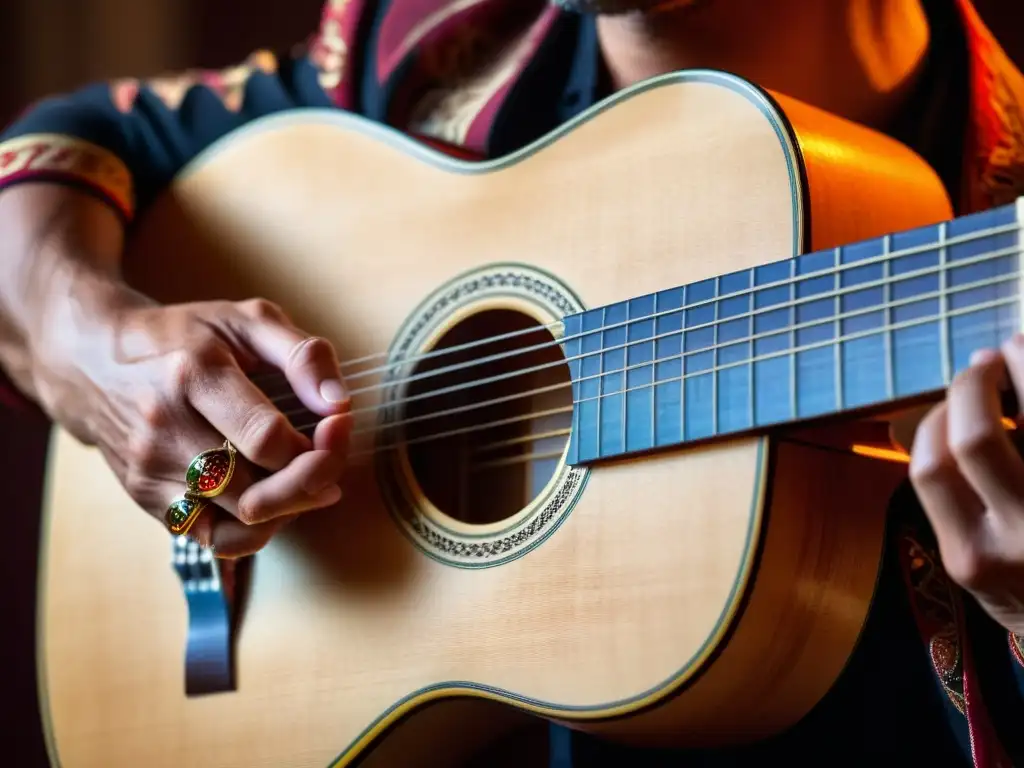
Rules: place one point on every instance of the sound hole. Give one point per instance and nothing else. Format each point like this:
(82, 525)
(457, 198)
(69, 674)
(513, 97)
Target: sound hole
(491, 421)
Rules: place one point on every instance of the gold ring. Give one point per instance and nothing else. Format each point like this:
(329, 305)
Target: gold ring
(207, 476)
(182, 513)
(210, 472)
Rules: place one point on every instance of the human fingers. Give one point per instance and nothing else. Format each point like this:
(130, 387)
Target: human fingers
(977, 436)
(309, 362)
(950, 503)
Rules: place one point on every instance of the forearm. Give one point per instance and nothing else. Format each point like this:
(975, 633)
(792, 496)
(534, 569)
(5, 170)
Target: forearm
(60, 246)
(59, 257)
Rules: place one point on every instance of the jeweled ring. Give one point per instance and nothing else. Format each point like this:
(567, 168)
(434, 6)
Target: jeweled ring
(210, 472)
(182, 513)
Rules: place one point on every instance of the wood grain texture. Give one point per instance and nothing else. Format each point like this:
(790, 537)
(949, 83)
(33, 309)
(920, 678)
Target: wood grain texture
(687, 567)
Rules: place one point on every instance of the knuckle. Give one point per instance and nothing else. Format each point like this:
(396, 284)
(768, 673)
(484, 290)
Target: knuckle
(969, 565)
(250, 510)
(142, 464)
(198, 359)
(969, 377)
(135, 482)
(926, 468)
(977, 440)
(182, 371)
(263, 431)
(153, 412)
(209, 352)
(144, 451)
(1015, 344)
(930, 459)
(263, 309)
(310, 350)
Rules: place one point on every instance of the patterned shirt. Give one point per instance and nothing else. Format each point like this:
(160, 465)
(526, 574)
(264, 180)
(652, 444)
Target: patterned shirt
(481, 78)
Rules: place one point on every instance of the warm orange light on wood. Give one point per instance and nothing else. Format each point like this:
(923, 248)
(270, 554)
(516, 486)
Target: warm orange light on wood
(886, 454)
(894, 454)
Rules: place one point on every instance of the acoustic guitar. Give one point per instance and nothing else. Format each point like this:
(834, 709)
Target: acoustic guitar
(608, 397)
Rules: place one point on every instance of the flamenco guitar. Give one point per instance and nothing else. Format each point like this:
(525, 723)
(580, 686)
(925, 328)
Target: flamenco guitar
(600, 471)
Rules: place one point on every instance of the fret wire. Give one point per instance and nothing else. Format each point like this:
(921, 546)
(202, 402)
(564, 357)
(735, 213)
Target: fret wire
(625, 376)
(792, 345)
(715, 351)
(682, 366)
(751, 404)
(600, 372)
(944, 340)
(574, 418)
(838, 351)
(890, 383)
(860, 334)
(654, 377)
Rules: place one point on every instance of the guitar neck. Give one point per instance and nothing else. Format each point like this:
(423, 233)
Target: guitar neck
(864, 325)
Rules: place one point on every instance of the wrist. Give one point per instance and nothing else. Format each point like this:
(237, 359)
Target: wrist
(70, 325)
(74, 301)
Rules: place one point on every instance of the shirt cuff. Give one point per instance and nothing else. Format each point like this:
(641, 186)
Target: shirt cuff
(68, 160)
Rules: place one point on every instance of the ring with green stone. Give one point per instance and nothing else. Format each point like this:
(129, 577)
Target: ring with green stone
(182, 513)
(210, 472)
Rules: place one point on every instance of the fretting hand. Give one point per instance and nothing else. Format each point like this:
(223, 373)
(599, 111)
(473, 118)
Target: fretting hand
(969, 477)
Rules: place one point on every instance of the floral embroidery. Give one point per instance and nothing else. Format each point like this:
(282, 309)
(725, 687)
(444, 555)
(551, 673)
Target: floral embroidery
(935, 609)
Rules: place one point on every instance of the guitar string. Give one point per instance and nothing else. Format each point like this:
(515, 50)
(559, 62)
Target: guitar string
(838, 269)
(714, 369)
(456, 432)
(754, 337)
(796, 302)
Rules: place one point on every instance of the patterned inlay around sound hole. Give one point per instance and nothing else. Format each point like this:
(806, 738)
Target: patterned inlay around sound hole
(484, 415)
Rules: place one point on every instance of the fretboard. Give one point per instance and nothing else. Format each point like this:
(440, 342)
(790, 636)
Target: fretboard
(822, 333)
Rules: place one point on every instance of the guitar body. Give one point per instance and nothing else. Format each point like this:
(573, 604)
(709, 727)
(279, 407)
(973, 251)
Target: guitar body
(703, 595)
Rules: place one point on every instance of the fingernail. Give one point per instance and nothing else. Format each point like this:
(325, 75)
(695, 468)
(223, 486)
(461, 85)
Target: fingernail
(333, 391)
(328, 496)
(981, 355)
(315, 485)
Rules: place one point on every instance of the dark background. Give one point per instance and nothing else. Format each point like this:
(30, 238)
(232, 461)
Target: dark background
(54, 45)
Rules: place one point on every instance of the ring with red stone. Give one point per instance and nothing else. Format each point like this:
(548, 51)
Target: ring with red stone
(182, 513)
(210, 472)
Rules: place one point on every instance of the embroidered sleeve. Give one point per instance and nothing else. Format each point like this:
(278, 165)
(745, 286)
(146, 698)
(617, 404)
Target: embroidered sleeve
(125, 140)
